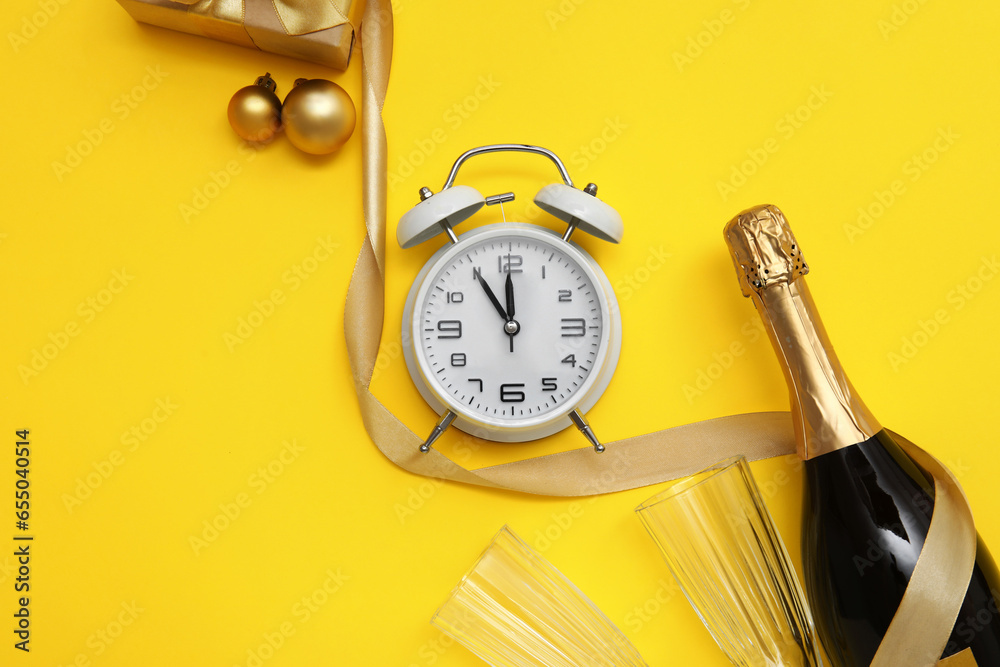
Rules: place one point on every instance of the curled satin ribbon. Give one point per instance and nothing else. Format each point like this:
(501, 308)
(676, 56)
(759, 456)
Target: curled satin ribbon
(298, 17)
(962, 659)
(920, 629)
(930, 606)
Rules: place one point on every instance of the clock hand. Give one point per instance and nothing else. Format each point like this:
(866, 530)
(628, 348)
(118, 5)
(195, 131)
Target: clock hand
(509, 328)
(509, 287)
(491, 295)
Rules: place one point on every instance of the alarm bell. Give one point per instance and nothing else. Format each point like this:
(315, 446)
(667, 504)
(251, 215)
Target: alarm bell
(582, 210)
(438, 213)
(441, 212)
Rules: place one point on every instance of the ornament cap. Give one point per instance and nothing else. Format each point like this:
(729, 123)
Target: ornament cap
(266, 82)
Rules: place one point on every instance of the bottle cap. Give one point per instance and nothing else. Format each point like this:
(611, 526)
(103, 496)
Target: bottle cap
(764, 249)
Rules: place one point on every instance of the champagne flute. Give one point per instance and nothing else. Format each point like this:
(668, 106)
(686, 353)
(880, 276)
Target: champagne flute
(720, 543)
(514, 609)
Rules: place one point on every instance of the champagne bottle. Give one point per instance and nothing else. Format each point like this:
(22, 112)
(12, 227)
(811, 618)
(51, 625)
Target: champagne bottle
(867, 505)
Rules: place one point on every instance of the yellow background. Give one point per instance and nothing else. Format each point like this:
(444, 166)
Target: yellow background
(601, 84)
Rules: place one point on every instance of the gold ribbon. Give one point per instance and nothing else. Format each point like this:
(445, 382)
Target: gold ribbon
(963, 659)
(927, 613)
(297, 17)
(920, 629)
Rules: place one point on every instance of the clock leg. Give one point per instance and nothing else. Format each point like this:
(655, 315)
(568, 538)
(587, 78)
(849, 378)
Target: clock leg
(588, 432)
(439, 428)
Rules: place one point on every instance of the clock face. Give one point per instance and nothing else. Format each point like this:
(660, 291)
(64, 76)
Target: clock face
(511, 329)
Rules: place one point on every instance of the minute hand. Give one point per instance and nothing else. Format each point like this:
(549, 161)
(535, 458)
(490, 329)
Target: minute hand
(492, 296)
(509, 288)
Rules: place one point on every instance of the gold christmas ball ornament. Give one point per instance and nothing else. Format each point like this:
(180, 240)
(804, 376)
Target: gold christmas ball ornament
(318, 115)
(255, 111)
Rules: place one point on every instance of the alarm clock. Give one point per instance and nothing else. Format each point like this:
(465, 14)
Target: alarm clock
(511, 332)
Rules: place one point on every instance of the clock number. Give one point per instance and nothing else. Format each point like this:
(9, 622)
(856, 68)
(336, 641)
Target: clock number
(458, 359)
(455, 297)
(570, 359)
(477, 380)
(565, 295)
(572, 327)
(543, 272)
(453, 328)
(510, 263)
(549, 384)
(511, 393)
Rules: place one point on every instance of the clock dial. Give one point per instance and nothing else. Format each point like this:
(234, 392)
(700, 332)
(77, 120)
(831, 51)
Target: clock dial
(509, 328)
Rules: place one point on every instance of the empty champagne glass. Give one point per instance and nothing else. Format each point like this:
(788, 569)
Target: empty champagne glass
(721, 545)
(514, 609)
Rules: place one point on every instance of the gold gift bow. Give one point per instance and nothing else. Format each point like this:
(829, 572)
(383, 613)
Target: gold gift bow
(297, 17)
(930, 606)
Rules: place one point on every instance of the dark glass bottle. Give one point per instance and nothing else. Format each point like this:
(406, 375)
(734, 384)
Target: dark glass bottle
(867, 505)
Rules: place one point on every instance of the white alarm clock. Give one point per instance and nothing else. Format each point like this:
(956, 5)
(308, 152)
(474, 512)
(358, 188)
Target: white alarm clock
(511, 332)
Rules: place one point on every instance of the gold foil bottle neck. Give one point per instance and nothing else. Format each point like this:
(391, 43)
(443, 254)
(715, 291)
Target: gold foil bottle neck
(827, 412)
(764, 249)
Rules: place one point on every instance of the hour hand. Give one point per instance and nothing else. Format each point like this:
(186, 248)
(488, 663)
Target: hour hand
(491, 295)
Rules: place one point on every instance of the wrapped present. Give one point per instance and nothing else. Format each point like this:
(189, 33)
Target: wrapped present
(320, 31)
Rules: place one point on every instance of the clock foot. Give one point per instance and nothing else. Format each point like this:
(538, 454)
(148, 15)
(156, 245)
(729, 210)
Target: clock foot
(439, 428)
(588, 432)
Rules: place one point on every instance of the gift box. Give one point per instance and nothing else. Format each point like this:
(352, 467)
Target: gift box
(320, 31)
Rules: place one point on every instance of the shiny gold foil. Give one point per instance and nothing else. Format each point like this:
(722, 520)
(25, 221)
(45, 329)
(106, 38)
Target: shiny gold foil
(764, 249)
(320, 31)
(827, 413)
